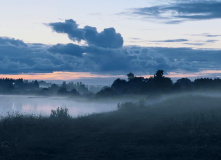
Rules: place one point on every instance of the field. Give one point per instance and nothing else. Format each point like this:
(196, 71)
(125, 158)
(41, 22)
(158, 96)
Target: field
(186, 127)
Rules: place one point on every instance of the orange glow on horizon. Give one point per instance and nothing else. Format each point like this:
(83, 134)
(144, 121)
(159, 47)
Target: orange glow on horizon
(57, 76)
(87, 75)
(204, 73)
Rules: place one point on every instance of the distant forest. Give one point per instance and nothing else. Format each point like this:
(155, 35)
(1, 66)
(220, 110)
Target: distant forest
(158, 83)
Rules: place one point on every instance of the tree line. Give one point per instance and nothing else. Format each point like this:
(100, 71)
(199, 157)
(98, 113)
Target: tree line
(20, 86)
(158, 83)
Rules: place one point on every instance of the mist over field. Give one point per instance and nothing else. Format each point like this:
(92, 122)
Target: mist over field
(40, 105)
(172, 126)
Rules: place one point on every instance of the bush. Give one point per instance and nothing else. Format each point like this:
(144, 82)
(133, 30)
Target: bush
(131, 105)
(60, 113)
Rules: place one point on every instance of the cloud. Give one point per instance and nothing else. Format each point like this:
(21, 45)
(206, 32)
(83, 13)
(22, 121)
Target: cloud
(212, 35)
(69, 49)
(173, 40)
(211, 41)
(173, 59)
(195, 44)
(19, 57)
(40, 58)
(179, 11)
(12, 42)
(108, 38)
(70, 27)
(109, 60)
(207, 35)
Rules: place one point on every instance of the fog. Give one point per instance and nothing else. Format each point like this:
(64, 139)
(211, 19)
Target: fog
(11, 104)
(151, 101)
(37, 105)
(171, 126)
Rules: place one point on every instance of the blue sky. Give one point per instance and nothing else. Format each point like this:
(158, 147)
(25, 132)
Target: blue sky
(110, 37)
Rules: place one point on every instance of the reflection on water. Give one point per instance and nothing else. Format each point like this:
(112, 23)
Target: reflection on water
(43, 105)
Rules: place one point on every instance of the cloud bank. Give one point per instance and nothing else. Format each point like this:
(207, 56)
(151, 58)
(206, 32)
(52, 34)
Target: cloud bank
(40, 58)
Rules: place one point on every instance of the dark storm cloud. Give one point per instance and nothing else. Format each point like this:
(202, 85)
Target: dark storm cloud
(108, 38)
(180, 11)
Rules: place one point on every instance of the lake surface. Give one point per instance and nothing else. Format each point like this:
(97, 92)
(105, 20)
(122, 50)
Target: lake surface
(43, 105)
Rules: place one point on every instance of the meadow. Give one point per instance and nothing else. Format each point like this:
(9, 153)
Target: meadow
(181, 126)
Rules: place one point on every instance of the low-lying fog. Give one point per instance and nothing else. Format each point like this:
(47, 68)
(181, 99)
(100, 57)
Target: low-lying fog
(37, 105)
(161, 98)
(43, 105)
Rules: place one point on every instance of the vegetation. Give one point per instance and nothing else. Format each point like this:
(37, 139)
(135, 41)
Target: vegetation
(158, 84)
(20, 86)
(60, 113)
(154, 85)
(183, 127)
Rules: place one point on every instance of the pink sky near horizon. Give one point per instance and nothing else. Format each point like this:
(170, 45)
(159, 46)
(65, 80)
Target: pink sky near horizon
(58, 76)
(87, 75)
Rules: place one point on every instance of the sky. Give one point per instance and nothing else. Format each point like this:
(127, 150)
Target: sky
(100, 40)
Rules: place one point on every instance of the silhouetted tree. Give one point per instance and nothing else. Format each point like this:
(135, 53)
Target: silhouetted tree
(202, 83)
(54, 87)
(74, 92)
(183, 83)
(64, 85)
(130, 76)
(62, 91)
(136, 85)
(106, 92)
(19, 83)
(217, 83)
(70, 86)
(159, 74)
(207, 83)
(119, 86)
(81, 88)
(36, 84)
(159, 83)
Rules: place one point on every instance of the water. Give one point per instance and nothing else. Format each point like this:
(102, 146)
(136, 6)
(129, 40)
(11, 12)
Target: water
(43, 105)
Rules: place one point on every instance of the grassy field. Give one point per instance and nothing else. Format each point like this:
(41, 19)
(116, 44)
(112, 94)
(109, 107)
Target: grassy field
(184, 127)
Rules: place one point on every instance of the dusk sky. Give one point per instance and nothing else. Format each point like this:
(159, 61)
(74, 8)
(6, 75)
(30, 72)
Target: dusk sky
(73, 39)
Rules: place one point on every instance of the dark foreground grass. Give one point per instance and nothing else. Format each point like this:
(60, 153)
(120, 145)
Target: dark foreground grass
(186, 128)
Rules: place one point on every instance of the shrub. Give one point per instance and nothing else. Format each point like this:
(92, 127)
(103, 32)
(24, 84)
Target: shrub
(131, 105)
(60, 113)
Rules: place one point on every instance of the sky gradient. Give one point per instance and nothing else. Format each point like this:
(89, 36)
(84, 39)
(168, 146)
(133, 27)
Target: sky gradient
(101, 39)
